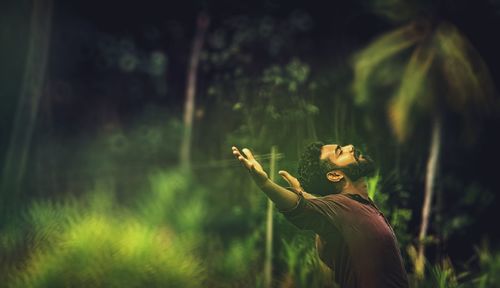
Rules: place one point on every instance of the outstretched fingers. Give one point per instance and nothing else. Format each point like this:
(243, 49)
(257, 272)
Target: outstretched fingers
(241, 158)
(294, 182)
(236, 152)
(247, 159)
(248, 153)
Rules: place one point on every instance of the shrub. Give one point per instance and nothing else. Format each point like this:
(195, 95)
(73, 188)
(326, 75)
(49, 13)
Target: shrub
(93, 242)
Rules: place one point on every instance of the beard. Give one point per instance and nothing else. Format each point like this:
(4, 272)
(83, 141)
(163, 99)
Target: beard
(362, 168)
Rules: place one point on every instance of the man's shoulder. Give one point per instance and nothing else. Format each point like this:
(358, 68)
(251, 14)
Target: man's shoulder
(346, 198)
(336, 197)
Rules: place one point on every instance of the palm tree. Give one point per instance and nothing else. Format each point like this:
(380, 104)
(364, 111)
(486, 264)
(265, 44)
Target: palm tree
(431, 68)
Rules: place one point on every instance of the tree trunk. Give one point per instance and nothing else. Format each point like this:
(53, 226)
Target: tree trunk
(189, 104)
(432, 169)
(27, 108)
(268, 262)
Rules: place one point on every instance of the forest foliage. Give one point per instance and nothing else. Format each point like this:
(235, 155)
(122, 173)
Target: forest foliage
(108, 207)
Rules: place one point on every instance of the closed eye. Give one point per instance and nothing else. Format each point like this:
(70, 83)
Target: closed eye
(338, 150)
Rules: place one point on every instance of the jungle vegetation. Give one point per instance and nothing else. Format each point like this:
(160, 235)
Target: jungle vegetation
(117, 125)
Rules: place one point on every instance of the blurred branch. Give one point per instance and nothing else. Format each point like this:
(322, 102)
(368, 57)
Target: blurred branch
(27, 108)
(189, 104)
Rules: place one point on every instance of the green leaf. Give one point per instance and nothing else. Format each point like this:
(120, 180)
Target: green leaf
(387, 46)
(467, 79)
(412, 89)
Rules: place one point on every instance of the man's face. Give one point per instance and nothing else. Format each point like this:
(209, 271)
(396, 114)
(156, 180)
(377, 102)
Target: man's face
(335, 164)
(341, 156)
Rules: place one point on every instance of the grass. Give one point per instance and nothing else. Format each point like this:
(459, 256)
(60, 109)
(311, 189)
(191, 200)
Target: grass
(94, 242)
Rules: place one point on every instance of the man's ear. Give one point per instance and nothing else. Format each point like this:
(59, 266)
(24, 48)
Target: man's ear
(334, 176)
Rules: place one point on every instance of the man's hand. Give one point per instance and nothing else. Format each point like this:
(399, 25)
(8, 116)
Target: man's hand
(294, 183)
(282, 197)
(258, 174)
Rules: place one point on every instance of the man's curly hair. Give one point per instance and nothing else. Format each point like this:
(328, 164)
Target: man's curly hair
(312, 171)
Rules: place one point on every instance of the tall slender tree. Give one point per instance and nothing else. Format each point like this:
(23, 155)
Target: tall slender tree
(189, 103)
(16, 160)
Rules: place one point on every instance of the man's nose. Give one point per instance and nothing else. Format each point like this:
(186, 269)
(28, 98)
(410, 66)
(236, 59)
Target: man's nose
(350, 148)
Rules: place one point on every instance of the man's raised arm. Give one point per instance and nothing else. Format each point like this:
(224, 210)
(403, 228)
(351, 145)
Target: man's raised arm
(283, 198)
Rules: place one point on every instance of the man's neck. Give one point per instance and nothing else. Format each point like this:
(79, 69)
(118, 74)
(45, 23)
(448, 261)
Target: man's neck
(359, 187)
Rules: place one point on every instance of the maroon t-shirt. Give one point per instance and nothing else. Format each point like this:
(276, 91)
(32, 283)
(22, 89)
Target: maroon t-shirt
(355, 240)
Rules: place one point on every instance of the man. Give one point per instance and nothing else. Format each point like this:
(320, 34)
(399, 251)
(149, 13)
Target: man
(354, 238)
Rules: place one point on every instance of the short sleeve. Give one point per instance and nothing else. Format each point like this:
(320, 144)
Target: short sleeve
(299, 193)
(318, 214)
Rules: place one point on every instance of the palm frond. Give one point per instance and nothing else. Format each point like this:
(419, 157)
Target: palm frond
(367, 61)
(413, 88)
(396, 10)
(466, 77)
